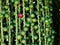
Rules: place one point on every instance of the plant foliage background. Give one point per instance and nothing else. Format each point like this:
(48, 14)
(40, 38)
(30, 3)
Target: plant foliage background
(26, 22)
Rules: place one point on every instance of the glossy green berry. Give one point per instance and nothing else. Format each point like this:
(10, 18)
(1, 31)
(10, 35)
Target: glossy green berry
(19, 37)
(26, 28)
(34, 20)
(49, 39)
(26, 8)
(23, 41)
(6, 7)
(16, 2)
(36, 27)
(35, 37)
(47, 29)
(31, 6)
(23, 33)
(7, 16)
(11, 27)
(32, 15)
(28, 19)
(27, 24)
(42, 19)
(5, 29)
(6, 36)
(32, 24)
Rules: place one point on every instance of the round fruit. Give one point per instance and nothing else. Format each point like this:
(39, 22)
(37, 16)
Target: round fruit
(20, 15)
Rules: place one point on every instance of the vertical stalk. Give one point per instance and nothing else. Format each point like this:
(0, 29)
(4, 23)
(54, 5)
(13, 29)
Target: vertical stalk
(38, 23)
(7, 3)
(9, 33)
(16, 23)
(24, 18)
(19, 18)
(2, 37)
(46, 13)
(31, 24)
(44, 25)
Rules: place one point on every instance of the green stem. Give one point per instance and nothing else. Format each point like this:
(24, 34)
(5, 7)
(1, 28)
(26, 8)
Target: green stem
(31, 24)
(2, 37)
(19, 20)
(16, 24)
(38, 23)
(44, 25)
(7, 2)
(24, 18)
(9, 33)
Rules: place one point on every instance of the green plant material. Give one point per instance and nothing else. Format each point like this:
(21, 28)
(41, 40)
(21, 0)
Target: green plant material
(34, 27)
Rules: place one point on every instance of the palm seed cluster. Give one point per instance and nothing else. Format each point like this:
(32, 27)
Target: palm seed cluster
(26, 22)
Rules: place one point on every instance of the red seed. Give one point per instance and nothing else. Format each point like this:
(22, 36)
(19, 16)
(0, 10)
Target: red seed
(20, 15)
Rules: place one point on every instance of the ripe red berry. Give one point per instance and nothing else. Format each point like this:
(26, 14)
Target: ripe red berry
(20, 15)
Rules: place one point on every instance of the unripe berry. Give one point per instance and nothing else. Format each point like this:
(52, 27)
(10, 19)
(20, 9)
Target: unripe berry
(49, 39)
(36, 27)
(7, 16)
(27, 8)
(35, 37)
(32, 15)
(23, 33)
(16, 2)
(5, 29)
(27, 24)
(34, 20)
(6, 7)
(28, 19)
(6, 36)
(31, 6)
(19, 37)
(11, 27)
(23, 41)
(25, 29)
(32, 24)
(47, 29)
